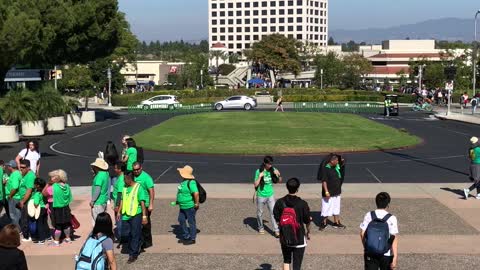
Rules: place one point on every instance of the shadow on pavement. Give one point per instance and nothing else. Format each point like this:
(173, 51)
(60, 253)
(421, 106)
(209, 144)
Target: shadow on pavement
(458, 192)
(265, 266)
(252, 223)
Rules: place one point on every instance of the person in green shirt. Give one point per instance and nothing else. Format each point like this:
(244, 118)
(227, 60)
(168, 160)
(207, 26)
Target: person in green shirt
(100, 185)
(144, 179)
(12, 191)
(25, 191)
(188, 201)
(133, 215)
(119, 169)
(474, 155)
(43, 231)
(263, 182)
(130, 156)
(3, 178)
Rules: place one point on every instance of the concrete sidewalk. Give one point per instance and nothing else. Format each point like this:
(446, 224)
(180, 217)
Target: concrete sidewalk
(458, 114)
(421, 236)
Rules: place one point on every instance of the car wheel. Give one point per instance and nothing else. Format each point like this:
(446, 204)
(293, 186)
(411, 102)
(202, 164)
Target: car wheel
(247, 107)
(146, 107)
(218, 107)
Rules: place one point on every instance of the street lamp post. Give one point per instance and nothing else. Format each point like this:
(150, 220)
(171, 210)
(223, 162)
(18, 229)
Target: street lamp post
(109, 76)
(474, 55)
(321, 79)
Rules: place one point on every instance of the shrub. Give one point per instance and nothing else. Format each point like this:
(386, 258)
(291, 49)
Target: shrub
(225, 69)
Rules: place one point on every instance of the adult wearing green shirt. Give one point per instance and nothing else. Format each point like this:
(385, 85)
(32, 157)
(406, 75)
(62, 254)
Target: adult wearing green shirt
(144, 179)
(188, 201)
(119, 170)
(474, 155)
(134, 215)
(130, 156)
(12, 191)
(263, 182)
(25, 190)
(100, 184)
(3, 178)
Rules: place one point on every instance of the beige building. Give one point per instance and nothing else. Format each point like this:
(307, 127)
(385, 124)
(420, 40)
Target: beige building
(149, 72)
(239, 23)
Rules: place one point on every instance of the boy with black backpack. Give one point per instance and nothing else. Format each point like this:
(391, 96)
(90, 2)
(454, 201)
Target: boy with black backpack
(379, 235)
(291, 212)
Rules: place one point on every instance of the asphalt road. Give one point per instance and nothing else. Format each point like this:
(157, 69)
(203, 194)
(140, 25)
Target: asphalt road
(441, 158)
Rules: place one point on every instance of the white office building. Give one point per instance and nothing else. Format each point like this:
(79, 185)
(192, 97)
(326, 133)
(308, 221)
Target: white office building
(239, 23)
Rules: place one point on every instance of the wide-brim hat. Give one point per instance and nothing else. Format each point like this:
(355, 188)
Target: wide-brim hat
(474, 140)
(33, 212)
(100, 163)
(186, 172)
(12, 164)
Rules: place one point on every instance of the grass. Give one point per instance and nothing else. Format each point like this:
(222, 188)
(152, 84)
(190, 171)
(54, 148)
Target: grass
(271, 133)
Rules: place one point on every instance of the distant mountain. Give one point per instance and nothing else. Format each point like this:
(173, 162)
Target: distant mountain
(451, 29)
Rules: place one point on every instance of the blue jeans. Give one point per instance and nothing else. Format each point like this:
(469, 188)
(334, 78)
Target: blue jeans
(185, 215)
(270, 202)
(15, 213)
(132, 231)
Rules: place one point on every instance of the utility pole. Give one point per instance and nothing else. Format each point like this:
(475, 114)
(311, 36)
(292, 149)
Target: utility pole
(474, 55)
(201, 78)
(420, 73)
(321, 79)
(55, 70)
(109, 76)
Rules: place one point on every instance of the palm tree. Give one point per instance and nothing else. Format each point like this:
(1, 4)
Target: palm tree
(19, 106)
(216, 55)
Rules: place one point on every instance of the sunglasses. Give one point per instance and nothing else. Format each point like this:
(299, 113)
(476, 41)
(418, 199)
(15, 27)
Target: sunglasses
(23, 167)
(136, 170)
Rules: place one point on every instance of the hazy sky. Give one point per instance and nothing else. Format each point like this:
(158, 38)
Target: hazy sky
(187, 19)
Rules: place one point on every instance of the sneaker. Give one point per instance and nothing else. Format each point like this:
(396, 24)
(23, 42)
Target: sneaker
(26, 239)
(50, 239)
(54, 244)
(131, 260)
(277, 235)
(262, 231)
(322, 226)
(189, 242)
(339, 225)
(478, 197)
(465, 192)
(67, 240)
(41, 242)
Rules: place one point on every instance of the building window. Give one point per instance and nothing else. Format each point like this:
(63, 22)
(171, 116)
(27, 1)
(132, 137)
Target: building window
(255, 13)
(264, 20)
(214, 38)
(255, 4)
(230, 29)
(230, 21)
(273, 20)
(247, 21)
(239, 29)
(255, 37)
(239, 5)
(290, 28)
(247, 46)
(214, 6)
(222, 29)
(316, 12)
(290, 11)
(273, 29)
(230, 5)
(299, 28)
(239, 45)
(273, 3)
(264, 3)
(239, 13)
(281, 11)
(222, 22)
(230, 38)
(290, 19)
(255, 29)
(247, 4)
(230, 46)
(281, 28)
(264, 29)
(281, 3)
(299, 19)
(222, 38)
(290, 3)
(214, 22)
(247, 37)
(290, 35)
(214, 30)
(299, 2)
(247, 29)
(239, 21)
(299, 36)
(222, 5)
(264, 12)
(299, 11)
(247, 12)
(273, 12)
(222, 13)
(230, 14)
(239, 37)
(214, 14)
(281, 20)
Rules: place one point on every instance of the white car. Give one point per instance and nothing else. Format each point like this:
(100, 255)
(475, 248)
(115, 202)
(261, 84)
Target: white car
(236, 102)
(161, 102)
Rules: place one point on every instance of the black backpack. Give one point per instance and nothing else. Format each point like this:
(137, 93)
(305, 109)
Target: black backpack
(377, 236)
(140, 157)
(474, 102)
(202, 194)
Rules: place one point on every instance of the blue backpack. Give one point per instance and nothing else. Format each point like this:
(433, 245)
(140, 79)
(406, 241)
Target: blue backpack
(377, 236)
(91, 255)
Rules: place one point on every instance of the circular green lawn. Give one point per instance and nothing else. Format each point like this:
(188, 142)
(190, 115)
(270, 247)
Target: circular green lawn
(271, 133)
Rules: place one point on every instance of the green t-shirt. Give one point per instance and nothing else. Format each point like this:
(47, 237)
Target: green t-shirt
(14, 182)
(146, 181)
(2, 176)
(101, 179)
(118, 187)
(267, 190)
(132, 158)
(37, 198)
(62, 195)
(185, 195)
(475, 155)
(28, 182)
(142, 196)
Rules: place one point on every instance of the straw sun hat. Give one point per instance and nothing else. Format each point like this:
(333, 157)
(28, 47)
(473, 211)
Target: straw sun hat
(186, 172)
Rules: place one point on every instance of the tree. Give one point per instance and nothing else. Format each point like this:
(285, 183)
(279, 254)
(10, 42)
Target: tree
(332, 67)
(233, 58)
(190, 75)
(434, 75)
(46, 33)
(350, 46)
(78, 77)
(277, 52)
(403, 77)
(331, 42)
(216, 55)
(355, 67)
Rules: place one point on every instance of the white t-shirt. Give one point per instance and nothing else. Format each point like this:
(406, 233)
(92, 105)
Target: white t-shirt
(32, 156)
(392, 223)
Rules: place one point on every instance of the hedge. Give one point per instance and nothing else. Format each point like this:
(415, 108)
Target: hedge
(289, 94)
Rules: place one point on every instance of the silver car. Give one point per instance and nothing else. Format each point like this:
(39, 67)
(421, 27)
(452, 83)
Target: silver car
(236, 102)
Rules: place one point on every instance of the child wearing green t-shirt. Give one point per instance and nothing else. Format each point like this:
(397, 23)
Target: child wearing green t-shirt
(42, 232)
